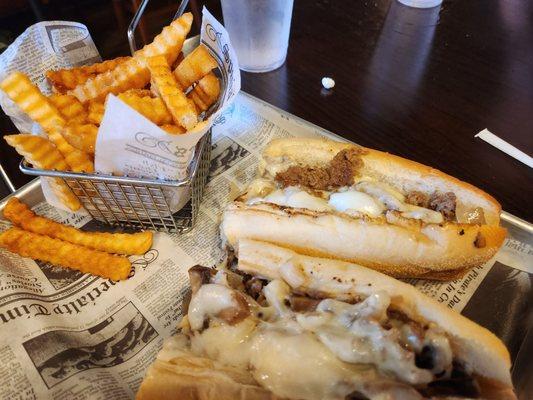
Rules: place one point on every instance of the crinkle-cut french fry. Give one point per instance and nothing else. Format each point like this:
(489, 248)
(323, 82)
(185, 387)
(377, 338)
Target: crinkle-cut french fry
(64, 193)
(170, 41)
(96, 112)
(173, 129)
(133, 73)
(80, 119)
(82, 136)
(206, 92)
(68, 106)
(181, 108)
(42, 153)
(152, 108)
(78, 160)
(121, 243)
(67, 79)
(139, 92)
(194, 66)
(29, 98)
(38, 150)
(98, 68)
(58, 252)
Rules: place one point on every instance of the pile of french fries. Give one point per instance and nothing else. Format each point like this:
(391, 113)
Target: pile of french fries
(97, 253)
(171, 90)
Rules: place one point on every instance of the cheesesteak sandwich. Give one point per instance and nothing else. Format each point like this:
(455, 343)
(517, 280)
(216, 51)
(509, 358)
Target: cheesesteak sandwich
(338, 200)
(280, 325)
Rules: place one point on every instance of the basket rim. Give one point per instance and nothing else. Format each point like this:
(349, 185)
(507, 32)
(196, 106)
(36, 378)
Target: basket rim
(192, 170)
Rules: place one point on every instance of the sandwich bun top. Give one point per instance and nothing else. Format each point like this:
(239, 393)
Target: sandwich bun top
(400, 173)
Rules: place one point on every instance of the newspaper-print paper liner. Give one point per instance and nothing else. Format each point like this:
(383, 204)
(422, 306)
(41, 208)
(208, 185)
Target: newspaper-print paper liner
(41, 47)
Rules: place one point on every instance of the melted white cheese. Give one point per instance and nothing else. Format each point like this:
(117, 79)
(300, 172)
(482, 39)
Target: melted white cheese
(301, 367)
(325, 354)
(277, 294)
(442, 352)
(296, 198)
(355, 335)
(259, 188)
(209, 301)
(392, 199)
(367, 197)
(229, 344)
(424, 214)
(352, 201)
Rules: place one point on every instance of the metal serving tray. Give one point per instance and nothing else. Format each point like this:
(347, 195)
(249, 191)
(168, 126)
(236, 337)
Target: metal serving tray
(518, 229)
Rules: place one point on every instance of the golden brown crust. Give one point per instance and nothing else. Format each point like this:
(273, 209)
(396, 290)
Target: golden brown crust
(196, 378)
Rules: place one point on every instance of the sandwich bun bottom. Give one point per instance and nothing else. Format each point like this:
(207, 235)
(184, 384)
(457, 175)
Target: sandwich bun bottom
(427, 251)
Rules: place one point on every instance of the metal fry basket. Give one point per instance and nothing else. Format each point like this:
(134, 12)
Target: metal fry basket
(139, 203)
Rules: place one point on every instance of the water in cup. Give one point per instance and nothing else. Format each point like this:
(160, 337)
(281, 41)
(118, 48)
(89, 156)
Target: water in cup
(259, 32)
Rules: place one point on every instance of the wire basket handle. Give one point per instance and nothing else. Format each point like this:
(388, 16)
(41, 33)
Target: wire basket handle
(137, 18)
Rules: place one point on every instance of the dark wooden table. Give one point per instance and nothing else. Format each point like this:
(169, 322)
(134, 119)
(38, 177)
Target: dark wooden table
(417, 83)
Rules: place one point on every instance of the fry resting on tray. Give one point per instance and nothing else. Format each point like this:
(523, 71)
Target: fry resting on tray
(122, 243)
(58, 252)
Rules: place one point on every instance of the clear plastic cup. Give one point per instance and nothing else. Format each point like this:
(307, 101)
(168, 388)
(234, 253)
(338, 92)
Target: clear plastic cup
(259, 32)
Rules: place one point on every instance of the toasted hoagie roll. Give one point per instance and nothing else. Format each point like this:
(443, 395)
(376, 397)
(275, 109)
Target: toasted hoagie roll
(338, 200)
(287, 326)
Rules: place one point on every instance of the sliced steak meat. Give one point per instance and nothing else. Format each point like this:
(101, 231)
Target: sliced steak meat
(254, 287)
(303, 303)
(459, 384)
(344, 167)
(339, 172)
(199, 275)
(444, 203)
(234, 315)
(417, 198)
(315, 178)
